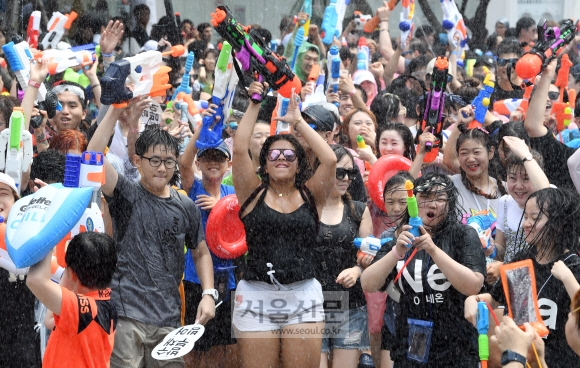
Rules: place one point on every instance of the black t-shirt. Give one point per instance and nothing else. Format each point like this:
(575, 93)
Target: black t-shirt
(500, 94)
(335, 252)
(555, 155)
(554, 304)
(427, 295)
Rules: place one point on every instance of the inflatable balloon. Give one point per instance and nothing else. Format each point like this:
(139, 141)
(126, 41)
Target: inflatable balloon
(225, 233)
(382, 171)
(38, 222)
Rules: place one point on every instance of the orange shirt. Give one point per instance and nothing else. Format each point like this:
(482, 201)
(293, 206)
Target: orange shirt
(84, 332)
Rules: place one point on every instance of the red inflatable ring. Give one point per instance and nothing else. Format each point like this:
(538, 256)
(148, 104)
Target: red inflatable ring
(382, 171)
(225, 234)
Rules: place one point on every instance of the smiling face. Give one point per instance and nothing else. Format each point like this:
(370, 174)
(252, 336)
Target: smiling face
(259, 136)
(391, 143)
(213, 164)
(281, 169)
(396, 203)
(341, 186)
(361, 124)
(155, 179)
(502, 70)
(432, 207)
(310, 59)
(474, 158)
(519, 185)
(72, 112)
(534, 221)
(6, 200)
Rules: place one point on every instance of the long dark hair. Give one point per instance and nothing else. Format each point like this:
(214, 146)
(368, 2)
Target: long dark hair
(561, 232)
(395, 182)
(304, 170)
(434, 182)
(481, 137)
(405, 134)
(340, 152)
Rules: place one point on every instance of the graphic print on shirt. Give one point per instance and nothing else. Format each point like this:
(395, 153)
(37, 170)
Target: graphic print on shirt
(436, 280)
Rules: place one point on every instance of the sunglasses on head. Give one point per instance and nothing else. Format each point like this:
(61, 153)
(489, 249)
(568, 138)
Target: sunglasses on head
(289, 155)
(504, 62)
(553, 95)
(341, 172)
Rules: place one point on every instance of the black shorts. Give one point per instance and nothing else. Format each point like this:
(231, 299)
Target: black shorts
(218, 331)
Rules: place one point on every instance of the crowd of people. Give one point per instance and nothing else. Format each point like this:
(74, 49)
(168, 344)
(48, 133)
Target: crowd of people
(305, 199)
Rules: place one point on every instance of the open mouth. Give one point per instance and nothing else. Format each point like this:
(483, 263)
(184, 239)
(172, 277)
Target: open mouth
(431, 215)
(473, 167)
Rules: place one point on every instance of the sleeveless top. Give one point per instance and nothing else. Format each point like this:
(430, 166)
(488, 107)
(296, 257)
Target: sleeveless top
(511, 237)
(335, 252)
(285, 240)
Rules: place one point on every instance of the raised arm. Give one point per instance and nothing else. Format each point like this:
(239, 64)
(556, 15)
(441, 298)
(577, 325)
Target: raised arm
(321, 183)
(394, 58)
(574, 168)
(39, 282)
(245, 179)
(38, 73)
(534, 122)
(346, 86)
(537, 176)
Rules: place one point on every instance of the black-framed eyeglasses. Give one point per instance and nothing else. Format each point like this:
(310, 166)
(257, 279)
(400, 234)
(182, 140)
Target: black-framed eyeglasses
(504, 62)
(342, 172)
(156, 161)
(553, 95)
(289, 155)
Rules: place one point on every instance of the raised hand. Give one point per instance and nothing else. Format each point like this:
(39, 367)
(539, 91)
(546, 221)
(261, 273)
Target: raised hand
(111, 36)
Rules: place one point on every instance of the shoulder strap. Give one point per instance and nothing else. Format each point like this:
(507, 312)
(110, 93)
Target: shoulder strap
(251, 198)
(310, 200)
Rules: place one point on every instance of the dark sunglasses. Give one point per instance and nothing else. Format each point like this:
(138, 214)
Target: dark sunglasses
(341, 172)
(289, 155)
(553, 95)
(504, 62)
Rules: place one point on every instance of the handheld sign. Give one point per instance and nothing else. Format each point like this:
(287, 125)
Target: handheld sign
(178, 342)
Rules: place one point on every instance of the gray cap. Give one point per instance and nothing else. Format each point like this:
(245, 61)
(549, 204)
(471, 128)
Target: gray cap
(223, 147)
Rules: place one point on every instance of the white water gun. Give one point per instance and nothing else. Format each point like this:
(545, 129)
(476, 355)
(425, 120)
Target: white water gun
(16, 148)
(453, 22)
(406, 21)
(56, 26)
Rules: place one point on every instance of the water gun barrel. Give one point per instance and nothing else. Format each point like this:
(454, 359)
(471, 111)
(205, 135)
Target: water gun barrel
(482, 326)
(33, 30)
(184, 86)
(329, 19)
(298, 40)
(360, 142)
(414, 220)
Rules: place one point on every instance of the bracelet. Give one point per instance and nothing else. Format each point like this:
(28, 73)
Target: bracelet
(477, 298)
(384, 30)
(352, 93)
(107, 55)
(397, 254)
(297, 121)
(95, 86)
(134, 131)
(34, 84)
(42, 141)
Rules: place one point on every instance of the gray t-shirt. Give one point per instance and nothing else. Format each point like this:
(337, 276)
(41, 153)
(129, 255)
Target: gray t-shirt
(151, 232)
(471, 202)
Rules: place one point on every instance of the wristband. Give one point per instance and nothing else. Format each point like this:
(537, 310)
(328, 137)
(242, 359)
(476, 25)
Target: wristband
(34, 84)
(477, 298)
(107, 55)
(397, 254)
(134, 131)
(297, 121)
(352, 93)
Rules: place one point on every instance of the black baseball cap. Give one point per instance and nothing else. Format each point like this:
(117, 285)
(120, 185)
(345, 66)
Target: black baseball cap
(223, 148)
(320, 117)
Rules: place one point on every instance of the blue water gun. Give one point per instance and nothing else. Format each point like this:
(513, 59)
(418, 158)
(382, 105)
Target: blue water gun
(328, 28)
(223, 94)
(282, 127)
(482, 326)
(481, 102)
(184, 86)
(335, 75)
(370, 245)
(297, 44)
(306, 8)
(484, 223)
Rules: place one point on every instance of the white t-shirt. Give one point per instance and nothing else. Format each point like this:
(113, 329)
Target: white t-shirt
(514, 213)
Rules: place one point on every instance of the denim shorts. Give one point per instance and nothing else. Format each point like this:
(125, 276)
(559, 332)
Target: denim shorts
(357, 336)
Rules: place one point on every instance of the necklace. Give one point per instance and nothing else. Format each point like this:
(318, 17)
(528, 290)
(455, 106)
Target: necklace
(282, 194)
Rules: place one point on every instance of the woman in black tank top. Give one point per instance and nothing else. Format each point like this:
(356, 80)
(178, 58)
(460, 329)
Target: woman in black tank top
(341, 222)
(280, 212)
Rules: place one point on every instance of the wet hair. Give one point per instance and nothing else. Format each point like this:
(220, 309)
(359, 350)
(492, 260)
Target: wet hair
(386, 106)
(92, 257)
(434, 183)
(483, 138)
(348, 117)
(340, 152)
(396, 181)
(197, 47)
(139, 9)
(405, 134)
(424, 30)
(524, 23)
(510, 46)
(67, 140)
(152, 136)
(408, 98)
(513, 163)
(285, 23)
(7, 104)
(417, 45)
(202, 26)
(417, 63)
(47, 166)
(561, 232)
(264, 34)
(186, 21)
(469, 89)
(304, 169)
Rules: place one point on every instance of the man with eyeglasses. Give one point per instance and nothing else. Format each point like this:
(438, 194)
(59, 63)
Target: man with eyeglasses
(152, 222)
(509, 51)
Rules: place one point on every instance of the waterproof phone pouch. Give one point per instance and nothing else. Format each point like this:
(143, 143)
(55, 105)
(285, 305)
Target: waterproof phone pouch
(420, 333)
(519, 285)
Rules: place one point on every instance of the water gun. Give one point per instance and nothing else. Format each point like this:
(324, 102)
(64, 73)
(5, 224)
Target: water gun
(406, 20)
(370, 245)
(453, 22)
(306, 8)
(223, 95)
(482, 326)
(184, 86)
(340, 10)
(335, 74)
(254, 56)
(61, 60)
(481, 102)
(549, 45)
(187, 108)
(363, 55)
(298, 40)
(16, 148)
(84, 171)
(360, 142)
(559, 108)
(56, 26)
(433, 115)
(507, 107)
(317, 80)
(33, 30)
(484, 223)
(372, 24)
(282, 127)
(18, 56)
(360, 20)
(145, 72)
(329, 21)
